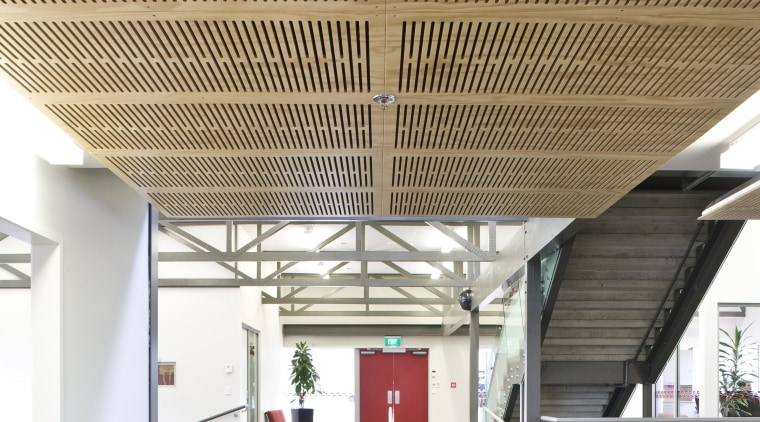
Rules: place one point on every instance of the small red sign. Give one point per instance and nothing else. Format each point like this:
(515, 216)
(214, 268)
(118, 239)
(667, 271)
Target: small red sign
(453, 385)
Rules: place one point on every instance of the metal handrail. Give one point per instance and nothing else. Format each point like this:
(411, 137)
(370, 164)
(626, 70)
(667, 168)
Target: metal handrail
(219, 415)
(492, 414)
(665, 297)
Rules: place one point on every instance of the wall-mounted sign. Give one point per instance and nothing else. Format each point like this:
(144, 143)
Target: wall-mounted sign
(392, 341)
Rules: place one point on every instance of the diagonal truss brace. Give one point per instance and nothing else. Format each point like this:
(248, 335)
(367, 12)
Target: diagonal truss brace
(280, 268)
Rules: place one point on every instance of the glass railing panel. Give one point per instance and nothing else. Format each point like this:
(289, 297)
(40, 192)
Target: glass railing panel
(509, 365)
(548, 269)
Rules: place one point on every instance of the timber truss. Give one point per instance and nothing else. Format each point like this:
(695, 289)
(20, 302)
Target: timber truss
(347, 268)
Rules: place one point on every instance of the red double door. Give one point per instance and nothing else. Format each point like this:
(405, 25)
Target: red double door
(393, 387)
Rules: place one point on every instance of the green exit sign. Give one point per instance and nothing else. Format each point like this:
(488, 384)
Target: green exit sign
(393, 342)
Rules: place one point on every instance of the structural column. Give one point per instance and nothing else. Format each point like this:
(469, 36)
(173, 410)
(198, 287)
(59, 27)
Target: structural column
(153, 315)
(647, 403)
(531, 403)
(47, 315)
(474, 352)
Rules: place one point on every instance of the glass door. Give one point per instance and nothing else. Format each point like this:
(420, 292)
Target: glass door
(252, 374)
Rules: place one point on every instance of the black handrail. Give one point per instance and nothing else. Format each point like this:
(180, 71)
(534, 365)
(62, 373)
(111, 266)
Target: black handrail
(219, 415)
(681, 264)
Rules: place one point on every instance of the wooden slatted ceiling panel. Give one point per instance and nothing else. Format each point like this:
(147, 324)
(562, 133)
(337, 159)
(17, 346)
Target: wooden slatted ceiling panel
(241, 172)
(517, 174)
(491, 56)
(244, 128)
(744, 209)
(190, 56)
(263, 108)
(554, 204)
(561, 129)
(212, 204)
(743, 203)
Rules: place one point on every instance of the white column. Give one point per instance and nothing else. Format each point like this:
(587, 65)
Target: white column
(47, 376)
(708, 361)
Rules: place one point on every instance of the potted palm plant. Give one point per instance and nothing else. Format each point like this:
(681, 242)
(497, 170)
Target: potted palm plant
(733, 370)
(303, 378)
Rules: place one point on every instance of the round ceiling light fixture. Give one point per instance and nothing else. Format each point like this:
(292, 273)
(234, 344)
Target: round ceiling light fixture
(384, 100)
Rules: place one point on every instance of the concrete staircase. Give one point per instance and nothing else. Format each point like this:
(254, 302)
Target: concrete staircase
(622, 282)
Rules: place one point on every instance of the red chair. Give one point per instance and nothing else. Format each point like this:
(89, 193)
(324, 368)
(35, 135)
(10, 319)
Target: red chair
(274, 416)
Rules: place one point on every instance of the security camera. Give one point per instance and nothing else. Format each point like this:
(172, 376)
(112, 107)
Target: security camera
(465, 299)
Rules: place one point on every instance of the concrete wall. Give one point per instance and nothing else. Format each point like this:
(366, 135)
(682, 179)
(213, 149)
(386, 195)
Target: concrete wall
(90, 288)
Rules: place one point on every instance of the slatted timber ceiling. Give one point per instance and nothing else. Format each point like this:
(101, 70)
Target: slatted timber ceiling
(551, 108)
(742, 203)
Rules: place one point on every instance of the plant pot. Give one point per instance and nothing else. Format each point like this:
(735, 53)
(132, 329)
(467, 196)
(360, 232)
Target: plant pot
(302, 415)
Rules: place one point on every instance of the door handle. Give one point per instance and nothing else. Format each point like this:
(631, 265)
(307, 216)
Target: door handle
(390, 413)
(390, 397)
(398, 397)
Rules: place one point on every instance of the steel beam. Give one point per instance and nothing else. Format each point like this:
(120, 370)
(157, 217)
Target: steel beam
(15, 284)
(15, 271)
(187, 238)
(380, 330)
(451, 234)
(386, 281)
(718, 245)
(371, 313)
(296, 302)
(262, 237)
(593, 373)
(15, 258)
(269, 300)
(537, 234)
(336, 313)
(426, 306)
(431, 257)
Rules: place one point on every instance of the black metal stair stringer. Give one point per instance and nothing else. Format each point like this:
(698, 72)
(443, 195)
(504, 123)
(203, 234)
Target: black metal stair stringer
(721, 239)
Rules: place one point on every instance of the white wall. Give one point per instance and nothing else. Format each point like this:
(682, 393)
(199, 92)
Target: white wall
(90, 289)
(16, 355)
(447, 356)
(200, 330)
(736, 283)
(265, 319)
